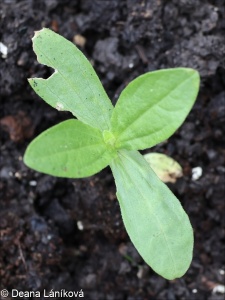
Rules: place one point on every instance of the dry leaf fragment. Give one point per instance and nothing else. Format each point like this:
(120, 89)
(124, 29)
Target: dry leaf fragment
(166, 168)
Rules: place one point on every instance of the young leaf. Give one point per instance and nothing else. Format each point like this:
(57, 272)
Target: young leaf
(153, 106)
(74, 86)
(70, 149)
(154, 218)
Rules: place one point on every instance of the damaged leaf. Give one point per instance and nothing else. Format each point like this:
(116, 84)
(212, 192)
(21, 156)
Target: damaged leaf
(74, 86)
(166, 168)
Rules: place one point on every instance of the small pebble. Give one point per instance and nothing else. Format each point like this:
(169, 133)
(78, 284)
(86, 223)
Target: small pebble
(79, 40)
(18, 175)
(220, 289)
(3, 50)
(196, 173)
(33, 183)
(80, 225)
(131, 65)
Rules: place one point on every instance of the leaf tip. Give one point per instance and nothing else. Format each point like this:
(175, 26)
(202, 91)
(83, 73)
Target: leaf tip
(192, 72)
(195, 77)
(36, 34)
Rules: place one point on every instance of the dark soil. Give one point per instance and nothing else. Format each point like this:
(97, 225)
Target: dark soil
(41, 217)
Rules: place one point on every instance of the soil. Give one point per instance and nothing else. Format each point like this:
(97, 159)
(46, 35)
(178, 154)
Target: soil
(68, 233)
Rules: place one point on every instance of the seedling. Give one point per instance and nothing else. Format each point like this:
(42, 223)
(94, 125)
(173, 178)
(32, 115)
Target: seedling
(148, 111)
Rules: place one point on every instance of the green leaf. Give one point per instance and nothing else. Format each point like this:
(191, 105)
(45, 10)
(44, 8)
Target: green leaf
(154, 218)
(70, 149)
(153, 106)
(74, 86)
